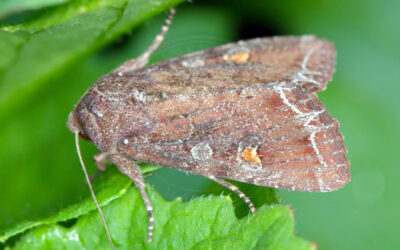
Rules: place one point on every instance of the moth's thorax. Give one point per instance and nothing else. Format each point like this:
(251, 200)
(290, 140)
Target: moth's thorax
(109, 112)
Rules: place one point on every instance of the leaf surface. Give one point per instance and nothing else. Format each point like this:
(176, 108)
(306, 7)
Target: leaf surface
(32, 52)
(10, 6)
(202, 223)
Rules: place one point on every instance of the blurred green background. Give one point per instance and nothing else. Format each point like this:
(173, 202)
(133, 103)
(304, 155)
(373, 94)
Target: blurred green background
(41, 79)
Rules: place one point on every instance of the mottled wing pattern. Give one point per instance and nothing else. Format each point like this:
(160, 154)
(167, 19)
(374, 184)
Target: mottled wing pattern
(304, 61)
(264, 135)
(244, 111)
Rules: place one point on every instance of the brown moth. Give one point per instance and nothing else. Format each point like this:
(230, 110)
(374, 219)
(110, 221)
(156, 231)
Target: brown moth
(245, 111)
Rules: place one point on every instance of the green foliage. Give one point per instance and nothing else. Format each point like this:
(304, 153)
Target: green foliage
(10, 6)
(108, 187)
(46, 45)
(203, 223)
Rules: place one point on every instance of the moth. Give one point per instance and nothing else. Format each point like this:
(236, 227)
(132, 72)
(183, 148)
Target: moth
(244, 111)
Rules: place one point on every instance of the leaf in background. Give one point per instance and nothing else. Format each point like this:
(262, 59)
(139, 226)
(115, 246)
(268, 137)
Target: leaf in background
(112, 185)
(11, 6)
(202, 223)
(108, 187)
(37, 52)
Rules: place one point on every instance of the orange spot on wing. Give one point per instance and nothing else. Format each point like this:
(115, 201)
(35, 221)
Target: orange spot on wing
(238, 58)
(250, 155)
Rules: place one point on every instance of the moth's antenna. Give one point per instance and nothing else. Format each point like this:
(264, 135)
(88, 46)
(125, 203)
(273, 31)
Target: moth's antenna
(143, 59)
(78, 150)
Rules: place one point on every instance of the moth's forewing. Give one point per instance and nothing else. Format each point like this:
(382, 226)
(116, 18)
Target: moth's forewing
(213, 140)
(244, 111)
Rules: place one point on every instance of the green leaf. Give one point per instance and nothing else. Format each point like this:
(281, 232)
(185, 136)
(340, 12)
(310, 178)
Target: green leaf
(112, 184)
(203, 223)
(107, 186)
(35, 51)
(10, 6)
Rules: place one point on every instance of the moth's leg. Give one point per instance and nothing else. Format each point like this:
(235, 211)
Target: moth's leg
(143, 59)
(100, 159)
(132, 170)
(234, 189)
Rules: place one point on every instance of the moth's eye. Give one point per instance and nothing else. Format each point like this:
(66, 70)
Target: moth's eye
(84, 136)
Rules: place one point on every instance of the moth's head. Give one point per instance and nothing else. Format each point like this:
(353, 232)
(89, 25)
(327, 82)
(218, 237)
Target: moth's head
(109, 112)
(86, 119)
